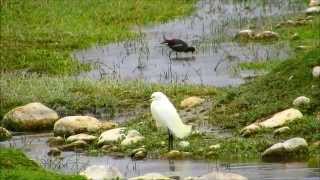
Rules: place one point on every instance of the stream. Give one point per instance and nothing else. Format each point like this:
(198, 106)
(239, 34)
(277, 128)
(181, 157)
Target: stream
(35, 146)
(211, 29)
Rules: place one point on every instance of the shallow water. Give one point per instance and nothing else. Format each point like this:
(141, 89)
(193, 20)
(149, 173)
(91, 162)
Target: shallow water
(210, 29)
(36, 148)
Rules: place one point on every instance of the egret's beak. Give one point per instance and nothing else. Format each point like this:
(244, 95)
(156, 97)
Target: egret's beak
(164, 42)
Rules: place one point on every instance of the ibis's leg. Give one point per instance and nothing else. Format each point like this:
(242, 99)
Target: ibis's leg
(170, 140)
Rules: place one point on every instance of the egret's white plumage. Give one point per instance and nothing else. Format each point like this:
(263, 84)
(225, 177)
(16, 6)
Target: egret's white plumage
(166, 115)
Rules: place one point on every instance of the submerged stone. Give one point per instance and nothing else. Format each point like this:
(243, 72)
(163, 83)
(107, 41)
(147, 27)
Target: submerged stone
(81, 136)
(99, 172)
(55, 141)
(4, 134)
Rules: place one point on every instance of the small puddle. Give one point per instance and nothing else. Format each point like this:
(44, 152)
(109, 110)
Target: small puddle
(35, 147)
(210, 29)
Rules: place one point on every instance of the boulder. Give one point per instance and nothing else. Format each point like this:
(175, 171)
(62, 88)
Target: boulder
(245, 34)
(112, 135)
(184, 144)
(174, 154)
(301, 100)
(267, 35)
(55, 141)
(54, 152)
(72, 125)
(139, 153)
(191, 102)
(215, 146)
(31, 117)
(316, 72)
(281, 130)
(81, 136)
(99, 172)
(4, 134)
(285, 149)
(151, 176)
(219, 176)
(277, 120)
(313, 10)
(77, 145)
(314, 3)
(132, 137)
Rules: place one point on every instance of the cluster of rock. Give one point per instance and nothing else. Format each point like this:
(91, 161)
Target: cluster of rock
(314, 7)
(97, 172)
(296, 22)
(249, 34)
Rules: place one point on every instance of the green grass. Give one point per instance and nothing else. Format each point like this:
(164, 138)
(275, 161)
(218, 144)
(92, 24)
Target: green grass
(38, 36)
(14, 165)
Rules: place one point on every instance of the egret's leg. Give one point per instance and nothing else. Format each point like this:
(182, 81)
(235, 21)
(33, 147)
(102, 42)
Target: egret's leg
(170, 140)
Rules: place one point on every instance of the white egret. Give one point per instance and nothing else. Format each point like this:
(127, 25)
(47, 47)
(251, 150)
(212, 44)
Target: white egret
(166, 115)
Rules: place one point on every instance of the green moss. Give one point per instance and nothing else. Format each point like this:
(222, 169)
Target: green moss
(15, 165)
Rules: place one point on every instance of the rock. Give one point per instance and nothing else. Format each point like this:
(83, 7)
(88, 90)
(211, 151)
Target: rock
(174, 154)
(112, 135)
(54, 152)
(314, 3)
(99, 172)
(184, 144)
(313, 10)
(281, 130)
(267, 35)
(151, 176)
(245, 34)
(74, 146)
(215, 146)
(139, 153)
(133, 137)
(278, 119)
(301, 100)
(219, 176)
(55, 141)
(283, 150)
(4, 134)
(72, 125)
(81, 136)
(316, 144)
(31, 117)
(295, 36)
(106, 125)
(303, 47)
(316, 72)
(191, 102)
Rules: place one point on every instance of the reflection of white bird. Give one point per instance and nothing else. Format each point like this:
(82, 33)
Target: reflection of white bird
(166, 115)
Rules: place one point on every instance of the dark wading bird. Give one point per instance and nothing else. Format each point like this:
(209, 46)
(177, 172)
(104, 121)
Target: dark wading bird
(178, 45)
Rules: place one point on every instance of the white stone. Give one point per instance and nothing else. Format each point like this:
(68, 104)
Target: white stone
(313, 10)
(287, 146)
(215, 146)
(184, 144)
(247, 33)
(314, 3)
(81, 136)
(267, 35)
(277, 120)
(191, 102)
(151, 176)
(4, 134)
(71, 125)
(99, 172)
(30, 117)
(132, 137)
(219, 176)
(301, 100)
(281, 130)
(316, 72)
(281, 118)
(112, 135)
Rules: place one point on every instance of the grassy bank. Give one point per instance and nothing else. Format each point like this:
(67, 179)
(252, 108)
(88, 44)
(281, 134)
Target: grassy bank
(38, 36)
(15, 165)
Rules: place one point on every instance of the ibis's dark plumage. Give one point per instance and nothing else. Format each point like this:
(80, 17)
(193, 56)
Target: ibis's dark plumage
(178, 45)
